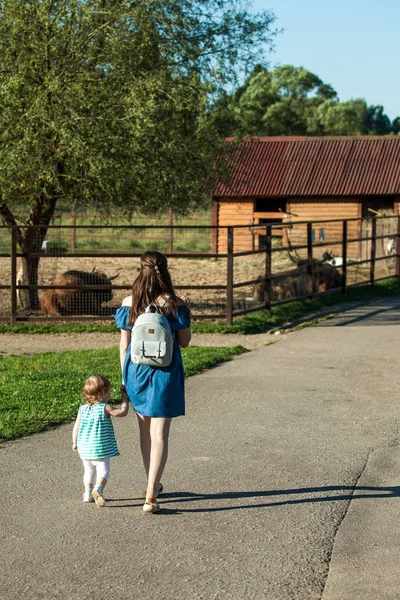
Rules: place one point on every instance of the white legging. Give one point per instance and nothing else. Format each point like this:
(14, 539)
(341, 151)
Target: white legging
(94, 470)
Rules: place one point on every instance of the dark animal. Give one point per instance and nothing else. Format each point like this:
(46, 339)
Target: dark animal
(294, 283)
(75, 300)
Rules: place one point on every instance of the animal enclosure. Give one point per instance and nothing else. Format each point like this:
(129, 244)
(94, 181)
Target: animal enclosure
(75, 285)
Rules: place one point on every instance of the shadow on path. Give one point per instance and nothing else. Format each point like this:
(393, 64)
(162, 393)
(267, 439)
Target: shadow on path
(328, 494)
(388, 315)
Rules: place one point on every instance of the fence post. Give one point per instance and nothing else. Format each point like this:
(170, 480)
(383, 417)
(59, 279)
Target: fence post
(171, 230)
(229, 279)
(309, 261)
(344, 258)
(73, 238)
(214, 228)
(373, 251)
(268, 269)
(13, 320)
(397, 246)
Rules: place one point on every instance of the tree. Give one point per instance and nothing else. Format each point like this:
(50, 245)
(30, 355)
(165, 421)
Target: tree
(290, 100)
(105, 103)
(343, 118)
(378, 123)
(396, 126)
(276, 102)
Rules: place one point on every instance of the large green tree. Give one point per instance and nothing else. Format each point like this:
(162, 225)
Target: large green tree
(104, 102)
(272, 102)
(290, 100)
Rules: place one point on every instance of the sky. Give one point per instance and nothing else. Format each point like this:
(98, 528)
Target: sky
(354, 45)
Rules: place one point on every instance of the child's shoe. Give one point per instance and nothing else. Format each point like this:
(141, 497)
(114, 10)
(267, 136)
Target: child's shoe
(87, 496)
(98, 497)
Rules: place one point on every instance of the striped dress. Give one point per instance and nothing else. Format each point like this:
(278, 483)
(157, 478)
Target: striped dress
(96, 439)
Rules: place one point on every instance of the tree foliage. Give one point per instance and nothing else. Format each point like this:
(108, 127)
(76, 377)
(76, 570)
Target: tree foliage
(105, 103)
(290, 100)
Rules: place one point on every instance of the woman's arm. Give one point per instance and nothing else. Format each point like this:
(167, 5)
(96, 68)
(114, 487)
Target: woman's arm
(75, 433)
(183, 336)
(125, 340)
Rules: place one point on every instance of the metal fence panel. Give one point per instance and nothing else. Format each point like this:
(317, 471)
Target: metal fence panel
(89, 278)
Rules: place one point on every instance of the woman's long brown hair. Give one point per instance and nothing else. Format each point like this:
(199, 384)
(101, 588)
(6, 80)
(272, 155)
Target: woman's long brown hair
(152, 282)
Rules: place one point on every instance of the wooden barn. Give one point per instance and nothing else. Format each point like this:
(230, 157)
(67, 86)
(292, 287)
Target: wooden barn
(291, 179)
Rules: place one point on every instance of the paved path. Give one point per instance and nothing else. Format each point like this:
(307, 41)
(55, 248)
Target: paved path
(282, 483)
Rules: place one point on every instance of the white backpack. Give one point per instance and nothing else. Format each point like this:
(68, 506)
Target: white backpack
(152, 341)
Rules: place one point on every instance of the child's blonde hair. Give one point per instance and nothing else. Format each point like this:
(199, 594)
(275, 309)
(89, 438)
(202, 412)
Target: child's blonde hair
(96, 386)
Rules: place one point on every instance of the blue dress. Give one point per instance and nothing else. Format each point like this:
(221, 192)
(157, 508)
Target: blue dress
(156, 392)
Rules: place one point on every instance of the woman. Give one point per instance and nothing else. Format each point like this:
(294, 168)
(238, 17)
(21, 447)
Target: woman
(157, 394)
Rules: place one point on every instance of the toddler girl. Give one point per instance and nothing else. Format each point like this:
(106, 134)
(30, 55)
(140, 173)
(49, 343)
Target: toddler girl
(93, 435)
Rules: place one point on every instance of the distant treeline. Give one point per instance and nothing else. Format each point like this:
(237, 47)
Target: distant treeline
(290, 100)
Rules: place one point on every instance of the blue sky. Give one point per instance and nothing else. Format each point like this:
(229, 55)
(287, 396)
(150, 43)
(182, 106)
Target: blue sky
(354, 45)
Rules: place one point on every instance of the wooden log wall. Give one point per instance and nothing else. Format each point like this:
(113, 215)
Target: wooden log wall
(239, 212)
(316, 211)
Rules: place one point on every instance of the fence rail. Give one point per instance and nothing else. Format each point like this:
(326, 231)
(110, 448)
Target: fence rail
(282, 270)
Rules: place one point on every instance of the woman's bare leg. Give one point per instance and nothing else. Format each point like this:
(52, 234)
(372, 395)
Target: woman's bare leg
(145, 440)
(159, 433)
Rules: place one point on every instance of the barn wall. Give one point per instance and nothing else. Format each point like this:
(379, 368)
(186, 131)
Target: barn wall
(236, 212)
(240, 211)
(317, 211)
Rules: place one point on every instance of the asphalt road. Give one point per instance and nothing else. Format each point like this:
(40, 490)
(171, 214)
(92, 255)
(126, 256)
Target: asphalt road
(282, 483)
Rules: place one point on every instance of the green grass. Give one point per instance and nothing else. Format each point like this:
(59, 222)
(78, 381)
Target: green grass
(257, 322)
(137, 238)
(315, 322)
(40, 391)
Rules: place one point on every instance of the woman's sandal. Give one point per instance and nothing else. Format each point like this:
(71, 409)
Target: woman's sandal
(150, 508)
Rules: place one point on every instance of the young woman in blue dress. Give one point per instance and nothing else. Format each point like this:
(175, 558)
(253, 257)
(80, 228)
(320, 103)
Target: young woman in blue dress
(157, 394)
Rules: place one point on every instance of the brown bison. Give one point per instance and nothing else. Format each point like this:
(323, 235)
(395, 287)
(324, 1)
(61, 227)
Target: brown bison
(75, 300)
(294, 283)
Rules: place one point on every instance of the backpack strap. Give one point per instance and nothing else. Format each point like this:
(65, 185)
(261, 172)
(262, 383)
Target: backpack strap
(148, 308)
(162, 303)
(164, 300)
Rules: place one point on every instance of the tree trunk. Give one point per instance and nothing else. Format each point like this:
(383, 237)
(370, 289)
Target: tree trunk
(30, 241)
(29, 299)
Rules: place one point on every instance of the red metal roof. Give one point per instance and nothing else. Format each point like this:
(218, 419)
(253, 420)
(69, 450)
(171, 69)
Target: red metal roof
(306, 166)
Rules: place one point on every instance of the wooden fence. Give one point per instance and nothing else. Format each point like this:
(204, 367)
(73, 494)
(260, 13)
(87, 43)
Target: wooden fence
(303, 276)
(164, 235)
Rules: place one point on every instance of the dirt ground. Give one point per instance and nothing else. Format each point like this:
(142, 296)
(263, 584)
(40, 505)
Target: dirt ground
(185, 272)
(26, 345)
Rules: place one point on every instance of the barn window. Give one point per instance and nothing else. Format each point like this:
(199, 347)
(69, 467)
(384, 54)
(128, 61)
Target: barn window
(269, 205)
(313, 235)
(322, 234)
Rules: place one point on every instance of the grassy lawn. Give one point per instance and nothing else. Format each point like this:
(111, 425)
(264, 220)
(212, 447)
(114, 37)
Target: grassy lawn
(44, 390)
(138, 238)
(257, 322)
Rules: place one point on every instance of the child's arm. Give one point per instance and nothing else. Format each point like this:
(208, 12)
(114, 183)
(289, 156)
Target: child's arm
(118, 411)
(75, 433)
